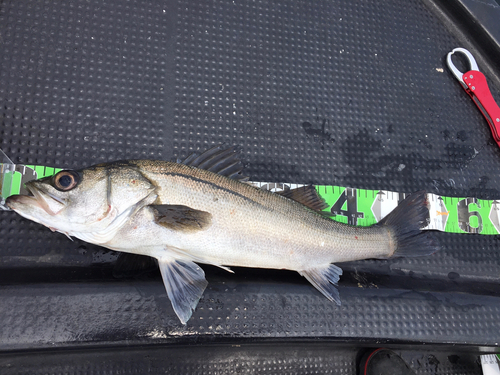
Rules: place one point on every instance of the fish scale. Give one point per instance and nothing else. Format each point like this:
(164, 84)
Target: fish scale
(264, 222)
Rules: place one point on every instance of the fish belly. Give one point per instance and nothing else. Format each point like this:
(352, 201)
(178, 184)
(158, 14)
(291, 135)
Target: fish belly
(283, 244)
(254, 239)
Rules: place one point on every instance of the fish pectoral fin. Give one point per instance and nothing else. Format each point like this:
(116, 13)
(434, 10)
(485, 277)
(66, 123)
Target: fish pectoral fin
(324, 279)
(306, 195)
(185, 282)
(129, 265)
(182, 218)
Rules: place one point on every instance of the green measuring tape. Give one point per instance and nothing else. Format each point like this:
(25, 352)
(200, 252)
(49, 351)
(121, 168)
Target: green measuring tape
(366, 207)
(347, 205)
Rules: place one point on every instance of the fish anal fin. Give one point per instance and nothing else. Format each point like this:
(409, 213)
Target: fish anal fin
(185, 283)
(129, 265)
(324, 279)
(218, 159)
(306, 195)
(182, 218)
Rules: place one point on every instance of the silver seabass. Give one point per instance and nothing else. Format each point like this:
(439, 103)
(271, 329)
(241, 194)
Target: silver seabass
(201, 211)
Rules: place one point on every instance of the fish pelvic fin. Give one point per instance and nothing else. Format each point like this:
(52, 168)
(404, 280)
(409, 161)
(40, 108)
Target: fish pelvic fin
(185, 283)
(404, 224)
(325, 280)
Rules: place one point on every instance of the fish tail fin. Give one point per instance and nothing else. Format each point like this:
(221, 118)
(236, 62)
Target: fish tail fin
(405, 223)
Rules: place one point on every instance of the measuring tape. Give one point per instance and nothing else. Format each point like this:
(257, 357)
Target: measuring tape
(352, 206)
(366, 207)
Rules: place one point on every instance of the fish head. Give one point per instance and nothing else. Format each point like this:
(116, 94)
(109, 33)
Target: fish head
(84, 201)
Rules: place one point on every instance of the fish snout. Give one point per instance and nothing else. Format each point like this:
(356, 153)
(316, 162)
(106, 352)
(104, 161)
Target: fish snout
(36, 200)
(17, 202)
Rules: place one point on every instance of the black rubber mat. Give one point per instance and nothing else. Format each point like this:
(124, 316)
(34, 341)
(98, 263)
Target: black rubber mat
(326, 92)
(293, 359)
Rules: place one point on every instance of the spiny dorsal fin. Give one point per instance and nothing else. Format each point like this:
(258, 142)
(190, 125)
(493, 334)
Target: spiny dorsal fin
(307, 195)
(181, 218)
(220, 160)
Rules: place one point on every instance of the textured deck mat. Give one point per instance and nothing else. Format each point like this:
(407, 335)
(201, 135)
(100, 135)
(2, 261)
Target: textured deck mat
(328, 92)
(293, 359)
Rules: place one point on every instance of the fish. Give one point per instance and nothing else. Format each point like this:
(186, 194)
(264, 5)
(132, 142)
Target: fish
(202, 210)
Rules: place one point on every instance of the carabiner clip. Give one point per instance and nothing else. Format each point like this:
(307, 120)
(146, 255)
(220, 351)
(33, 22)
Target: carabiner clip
(457, 73)
(474, 83)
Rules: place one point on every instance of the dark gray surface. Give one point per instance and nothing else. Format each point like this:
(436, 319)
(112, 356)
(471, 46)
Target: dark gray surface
(294, 359)
(253, 305)
(88, 81)
(374, 72)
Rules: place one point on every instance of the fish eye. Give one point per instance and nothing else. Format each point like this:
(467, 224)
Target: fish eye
(66, 180)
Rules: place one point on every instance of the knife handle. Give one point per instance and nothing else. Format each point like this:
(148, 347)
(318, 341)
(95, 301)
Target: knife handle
(478, 89)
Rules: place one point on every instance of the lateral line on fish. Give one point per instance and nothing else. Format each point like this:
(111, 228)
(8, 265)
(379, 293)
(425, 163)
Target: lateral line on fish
(219, 186)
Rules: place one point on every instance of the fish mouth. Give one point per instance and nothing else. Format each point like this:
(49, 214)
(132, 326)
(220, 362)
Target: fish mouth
(25, 205)
(36, 199)
(14, 201)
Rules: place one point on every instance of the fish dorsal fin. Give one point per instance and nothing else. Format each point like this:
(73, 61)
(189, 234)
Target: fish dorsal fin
(306, 195)
(220, 160)
(181, 218)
